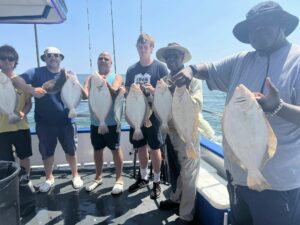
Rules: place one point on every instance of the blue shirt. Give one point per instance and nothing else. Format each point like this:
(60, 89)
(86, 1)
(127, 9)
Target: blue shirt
(49, 110)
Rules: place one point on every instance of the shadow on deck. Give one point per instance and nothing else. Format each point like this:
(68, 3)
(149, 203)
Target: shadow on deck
(65, 205)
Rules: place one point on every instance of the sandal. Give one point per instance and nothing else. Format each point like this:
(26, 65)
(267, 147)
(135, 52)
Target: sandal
(118, 188)
(94, 184)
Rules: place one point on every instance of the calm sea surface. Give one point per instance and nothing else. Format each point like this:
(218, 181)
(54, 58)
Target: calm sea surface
(213, 102)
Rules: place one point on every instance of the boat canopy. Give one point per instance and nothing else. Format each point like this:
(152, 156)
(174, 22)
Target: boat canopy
(33, 11)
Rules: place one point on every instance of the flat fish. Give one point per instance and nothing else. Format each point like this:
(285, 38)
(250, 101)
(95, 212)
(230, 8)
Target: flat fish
(185, 115)
(71, 94)
(8, 98)
(162, 105)
(248, 135)
(55, 85)
(100, 101)
(135, 111)
(118, 108)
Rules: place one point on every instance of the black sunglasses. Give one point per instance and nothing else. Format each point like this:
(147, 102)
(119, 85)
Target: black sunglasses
(103, 59)
(9, 58)
(49, 55)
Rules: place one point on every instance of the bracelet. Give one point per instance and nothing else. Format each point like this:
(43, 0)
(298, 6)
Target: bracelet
(278, 108)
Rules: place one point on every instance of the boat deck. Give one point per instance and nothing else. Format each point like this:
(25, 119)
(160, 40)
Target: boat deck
(65, 205)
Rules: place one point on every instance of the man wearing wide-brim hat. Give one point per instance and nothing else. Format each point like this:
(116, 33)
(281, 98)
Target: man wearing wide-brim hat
(51, 117)
(183, 171)
(272, 71)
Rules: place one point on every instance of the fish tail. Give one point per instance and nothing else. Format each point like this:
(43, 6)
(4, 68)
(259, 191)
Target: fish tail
(137, 135)
(256, 181)
(164, 128)
(72, 113)
(190, 151)
(103, 129)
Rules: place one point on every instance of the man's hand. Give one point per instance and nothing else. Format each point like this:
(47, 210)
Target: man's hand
(183, 77)
(148, 88)
(38, 92)
(270, 101)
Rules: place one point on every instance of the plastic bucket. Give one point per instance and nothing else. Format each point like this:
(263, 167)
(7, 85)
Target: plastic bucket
(9, 193)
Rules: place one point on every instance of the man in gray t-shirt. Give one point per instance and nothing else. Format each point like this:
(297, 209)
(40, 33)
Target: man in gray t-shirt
(273, 71)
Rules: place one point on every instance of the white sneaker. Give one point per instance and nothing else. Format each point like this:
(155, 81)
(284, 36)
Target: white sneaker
(77, 182)
(117, 189)
(46, 186)
(94, 184)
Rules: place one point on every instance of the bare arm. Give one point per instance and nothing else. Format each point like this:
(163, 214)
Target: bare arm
(18, 82)
(290, 113)
(271, 102)
(185, 76)
(86, 88)
(27, 107)
(113, 89)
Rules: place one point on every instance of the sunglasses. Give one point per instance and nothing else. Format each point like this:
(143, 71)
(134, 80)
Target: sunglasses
(49, 55)
(172, 57)
(103, 59)
(9, 58)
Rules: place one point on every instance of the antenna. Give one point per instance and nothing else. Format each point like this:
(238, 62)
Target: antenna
(113, 35)
(89, 35)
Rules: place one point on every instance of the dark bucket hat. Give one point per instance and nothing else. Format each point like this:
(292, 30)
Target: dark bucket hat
(289, 21)
(161, 53)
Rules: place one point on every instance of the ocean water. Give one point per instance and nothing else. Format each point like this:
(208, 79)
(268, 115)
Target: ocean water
(213, 107)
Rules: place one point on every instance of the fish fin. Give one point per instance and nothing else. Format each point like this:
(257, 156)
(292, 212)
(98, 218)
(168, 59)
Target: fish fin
(72, 113)
(231, 154)
(256, 181)
(190, 151)
(272, 145)
(164, 128)
(147, 122)
(137, 135)
(197, 124)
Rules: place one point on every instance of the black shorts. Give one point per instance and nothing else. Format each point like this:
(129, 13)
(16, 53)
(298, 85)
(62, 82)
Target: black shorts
(48, 135)
(152, 135)
(110, 140)
(20, 139)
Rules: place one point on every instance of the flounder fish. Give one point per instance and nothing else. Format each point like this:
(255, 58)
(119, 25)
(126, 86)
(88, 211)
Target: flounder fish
(100, 101)
(248, 136)
(135, 110)
(185, 115)
(55, 85)
(71, 94)
(118, 108)
(162, 105)
(8, 98)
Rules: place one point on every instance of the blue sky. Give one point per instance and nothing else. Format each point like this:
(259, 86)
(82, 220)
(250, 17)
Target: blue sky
(203, 26)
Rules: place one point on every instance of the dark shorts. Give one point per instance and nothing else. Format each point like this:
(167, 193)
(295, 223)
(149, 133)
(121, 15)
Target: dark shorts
(110, 140)
(269, 207)
(48, 136)
(20, 139)
(152, 135)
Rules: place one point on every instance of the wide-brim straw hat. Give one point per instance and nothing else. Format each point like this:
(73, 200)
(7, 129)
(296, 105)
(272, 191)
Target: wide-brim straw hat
(52, 50)
(162, 52)
(289, 21)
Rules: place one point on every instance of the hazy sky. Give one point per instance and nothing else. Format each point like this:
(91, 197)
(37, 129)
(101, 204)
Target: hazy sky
(203, 26)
